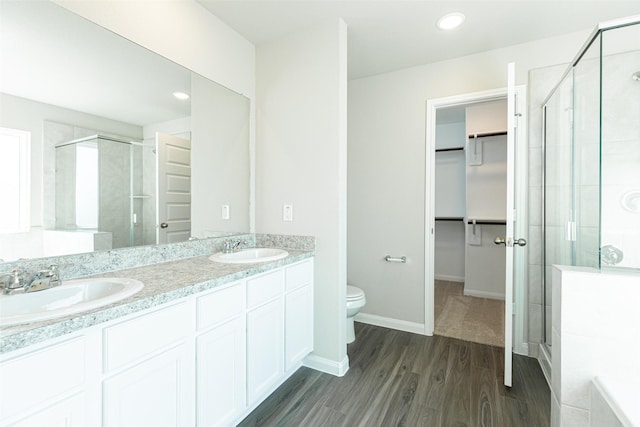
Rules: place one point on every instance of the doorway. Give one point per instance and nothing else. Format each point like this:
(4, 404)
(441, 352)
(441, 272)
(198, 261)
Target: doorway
(472, 232)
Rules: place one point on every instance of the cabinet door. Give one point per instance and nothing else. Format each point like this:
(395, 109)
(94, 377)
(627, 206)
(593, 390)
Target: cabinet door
(69, 412)
(221, 378)
(265, 348)
(152, 393)
(298, 326)
(41, 378)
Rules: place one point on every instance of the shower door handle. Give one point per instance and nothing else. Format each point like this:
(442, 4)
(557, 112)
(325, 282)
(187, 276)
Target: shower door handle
(164, 225)
(499, 241)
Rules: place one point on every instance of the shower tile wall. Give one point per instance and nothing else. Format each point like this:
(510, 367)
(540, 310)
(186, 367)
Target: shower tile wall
(115, 167)
(541, 82)
(114, 208)
(65, 213)
(53, 134)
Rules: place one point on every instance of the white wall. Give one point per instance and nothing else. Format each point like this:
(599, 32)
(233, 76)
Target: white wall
(386, 170)
(301, 160)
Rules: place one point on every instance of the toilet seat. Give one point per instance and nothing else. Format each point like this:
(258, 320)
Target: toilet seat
(354, 293)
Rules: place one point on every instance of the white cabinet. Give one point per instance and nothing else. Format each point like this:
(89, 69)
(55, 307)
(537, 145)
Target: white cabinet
(221, 357)
(265, 348)
(204, 360)
(149, 361)
(155, 392)
(299, 326)
(45, 384)
(69, 412)
(298, 313)
(265, 333)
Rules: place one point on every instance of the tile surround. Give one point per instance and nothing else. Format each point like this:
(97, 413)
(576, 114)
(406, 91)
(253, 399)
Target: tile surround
(596, 332)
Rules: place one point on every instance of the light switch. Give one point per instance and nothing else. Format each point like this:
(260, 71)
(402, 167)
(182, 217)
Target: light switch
(287, 213)
(225, 211)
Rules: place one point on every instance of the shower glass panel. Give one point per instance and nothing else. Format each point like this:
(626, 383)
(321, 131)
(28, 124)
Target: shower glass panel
(558, 206)
(592, 159)
(586, 156)
(620, 148)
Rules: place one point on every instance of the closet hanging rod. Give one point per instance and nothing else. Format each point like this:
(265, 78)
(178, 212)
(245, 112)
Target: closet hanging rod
(486, 134)
(440, 150)
(487, 222)
(449, 218)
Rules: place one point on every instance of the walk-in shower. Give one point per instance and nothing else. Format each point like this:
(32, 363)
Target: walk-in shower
(101, 186)
(591, 151)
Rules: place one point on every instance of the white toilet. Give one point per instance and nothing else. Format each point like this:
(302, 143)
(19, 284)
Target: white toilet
(355, 302)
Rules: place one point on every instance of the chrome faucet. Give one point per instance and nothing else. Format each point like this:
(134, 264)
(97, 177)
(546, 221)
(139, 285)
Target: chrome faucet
(14, 282)
(231, 246)
(11, 282)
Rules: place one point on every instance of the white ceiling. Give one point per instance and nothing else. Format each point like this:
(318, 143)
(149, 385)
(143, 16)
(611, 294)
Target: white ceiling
(388, 35)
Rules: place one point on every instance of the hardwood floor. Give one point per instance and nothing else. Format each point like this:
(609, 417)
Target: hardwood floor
(401, 379)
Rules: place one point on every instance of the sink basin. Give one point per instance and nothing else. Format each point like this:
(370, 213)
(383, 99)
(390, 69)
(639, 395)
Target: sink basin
(250, 255)
(73, 296)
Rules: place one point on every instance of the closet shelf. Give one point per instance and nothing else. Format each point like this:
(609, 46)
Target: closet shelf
(440, 150)
(449, 218)
(488, 221)
(487, 134)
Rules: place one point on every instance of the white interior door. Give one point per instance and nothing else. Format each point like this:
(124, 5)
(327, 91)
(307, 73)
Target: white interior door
(174, 188)
(515, 221)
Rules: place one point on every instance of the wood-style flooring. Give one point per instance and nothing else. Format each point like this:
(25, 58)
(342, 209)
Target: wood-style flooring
(402, 379)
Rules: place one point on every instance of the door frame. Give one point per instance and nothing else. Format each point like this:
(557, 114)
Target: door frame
(521, 177)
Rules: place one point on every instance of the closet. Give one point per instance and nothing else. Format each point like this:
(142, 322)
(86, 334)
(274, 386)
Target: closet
(470, 196)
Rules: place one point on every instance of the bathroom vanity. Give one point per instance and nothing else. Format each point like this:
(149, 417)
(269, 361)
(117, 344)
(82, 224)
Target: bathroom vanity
(202, 344)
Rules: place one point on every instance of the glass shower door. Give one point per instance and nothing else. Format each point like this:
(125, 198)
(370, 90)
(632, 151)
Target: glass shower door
(559, 206)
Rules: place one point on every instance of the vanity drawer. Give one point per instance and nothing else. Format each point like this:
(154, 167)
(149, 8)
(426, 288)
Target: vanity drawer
(220, 305)
(41, 376)
(136, 338)
(264, 288)
(299, 275)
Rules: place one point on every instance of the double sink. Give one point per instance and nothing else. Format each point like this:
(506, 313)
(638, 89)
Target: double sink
(80, 295)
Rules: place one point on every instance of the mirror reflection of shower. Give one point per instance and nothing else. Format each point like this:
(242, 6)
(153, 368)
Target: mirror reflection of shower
(100, 189)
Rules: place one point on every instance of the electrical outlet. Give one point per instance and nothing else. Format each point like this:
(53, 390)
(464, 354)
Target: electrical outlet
(287, 213)
(225, 211)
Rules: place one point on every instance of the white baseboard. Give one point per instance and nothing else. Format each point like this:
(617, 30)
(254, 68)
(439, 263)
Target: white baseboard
(534, 351)
(545, 364)
(386, 322)
(522, 349)
(483, 294)
(448, 278)
(327, 365)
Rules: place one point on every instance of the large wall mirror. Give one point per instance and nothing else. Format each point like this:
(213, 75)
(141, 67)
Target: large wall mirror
(105, 144)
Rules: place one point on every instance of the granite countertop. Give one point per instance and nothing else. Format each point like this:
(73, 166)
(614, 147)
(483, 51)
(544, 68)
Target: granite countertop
(163, 282)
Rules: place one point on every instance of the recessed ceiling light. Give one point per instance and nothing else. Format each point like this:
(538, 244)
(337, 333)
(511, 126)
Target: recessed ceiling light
(181, 95)
(450, 21)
